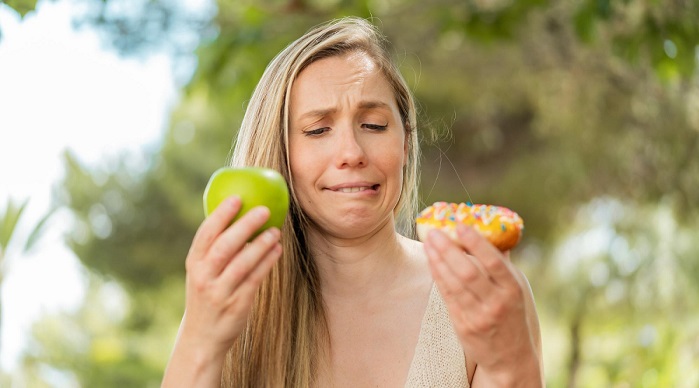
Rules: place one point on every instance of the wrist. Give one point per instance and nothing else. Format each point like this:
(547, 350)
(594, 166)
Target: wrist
(526, 373)
(193, 365)
(202, 350)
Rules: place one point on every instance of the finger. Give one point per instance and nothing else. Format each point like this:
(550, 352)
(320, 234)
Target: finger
(458, 304)
(464, 267)
(233, 239)
(451, 285)
(465, 308)
(461, 313)
(249, 258)
(467, 270)
(213, 225)
(248, 287)
(490, 258)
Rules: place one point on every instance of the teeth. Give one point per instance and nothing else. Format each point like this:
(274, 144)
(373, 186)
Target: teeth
(353, 189)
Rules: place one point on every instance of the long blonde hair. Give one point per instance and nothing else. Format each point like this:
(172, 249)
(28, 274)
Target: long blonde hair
(286, 338)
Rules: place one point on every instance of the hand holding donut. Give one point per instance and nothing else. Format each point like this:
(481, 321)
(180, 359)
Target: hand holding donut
(490, 305)
(500, 225)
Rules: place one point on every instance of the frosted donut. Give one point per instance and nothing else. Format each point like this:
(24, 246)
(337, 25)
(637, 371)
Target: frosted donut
(500, 225)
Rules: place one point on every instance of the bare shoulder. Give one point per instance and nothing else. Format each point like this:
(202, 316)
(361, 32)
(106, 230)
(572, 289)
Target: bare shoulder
(413, 248)
(417, 258)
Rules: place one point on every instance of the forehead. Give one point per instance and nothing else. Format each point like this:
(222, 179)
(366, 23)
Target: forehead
(360, 62)
(328, 80)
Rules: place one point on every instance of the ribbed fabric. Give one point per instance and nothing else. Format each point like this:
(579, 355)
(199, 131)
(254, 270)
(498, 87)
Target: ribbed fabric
(439, 358)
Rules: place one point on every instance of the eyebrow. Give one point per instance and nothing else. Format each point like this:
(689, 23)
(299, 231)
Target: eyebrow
(364, 105)
(373, 105)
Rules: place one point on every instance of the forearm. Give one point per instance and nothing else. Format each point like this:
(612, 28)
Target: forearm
(193, 366)
(526, 368)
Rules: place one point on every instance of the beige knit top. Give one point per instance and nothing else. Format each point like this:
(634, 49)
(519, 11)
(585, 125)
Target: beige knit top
(439, 358)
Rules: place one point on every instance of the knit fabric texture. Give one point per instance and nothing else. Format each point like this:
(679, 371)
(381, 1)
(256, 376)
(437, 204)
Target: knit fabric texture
(439, 358)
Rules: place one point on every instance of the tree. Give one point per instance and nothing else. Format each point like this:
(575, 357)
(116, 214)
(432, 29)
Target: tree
(545, 107)
(114, 340)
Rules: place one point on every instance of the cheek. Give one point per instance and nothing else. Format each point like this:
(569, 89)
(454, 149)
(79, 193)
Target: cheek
(301, 169)
(396, 158)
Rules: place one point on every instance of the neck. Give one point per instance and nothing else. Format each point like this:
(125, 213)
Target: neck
(361, 267)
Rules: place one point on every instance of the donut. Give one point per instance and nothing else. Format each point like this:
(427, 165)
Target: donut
(500, 225)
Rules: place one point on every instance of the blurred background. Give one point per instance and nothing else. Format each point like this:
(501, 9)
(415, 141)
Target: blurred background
(583, 116)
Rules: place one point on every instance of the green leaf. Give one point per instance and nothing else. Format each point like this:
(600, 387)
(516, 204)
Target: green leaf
(8, 221)
(22, 7)
(38, 230)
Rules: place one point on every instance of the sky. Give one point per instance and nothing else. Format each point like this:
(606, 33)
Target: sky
(61, 89)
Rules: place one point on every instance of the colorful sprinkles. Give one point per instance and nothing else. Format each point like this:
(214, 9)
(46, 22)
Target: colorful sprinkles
(488, 219)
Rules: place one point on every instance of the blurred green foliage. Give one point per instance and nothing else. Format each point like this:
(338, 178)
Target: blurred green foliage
(21, 6)
(583, 116)
(114, 340)
(10, 217)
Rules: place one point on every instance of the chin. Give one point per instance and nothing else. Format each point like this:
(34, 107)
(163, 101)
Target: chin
(355, 228)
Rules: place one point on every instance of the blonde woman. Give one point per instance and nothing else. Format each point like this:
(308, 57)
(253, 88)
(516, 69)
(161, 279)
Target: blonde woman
(338, 297)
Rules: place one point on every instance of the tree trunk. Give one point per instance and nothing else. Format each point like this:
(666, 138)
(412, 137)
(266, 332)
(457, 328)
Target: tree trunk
(575, 351)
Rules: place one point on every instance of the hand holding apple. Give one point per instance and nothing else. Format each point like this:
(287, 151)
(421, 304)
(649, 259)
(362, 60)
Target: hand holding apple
(255, 186)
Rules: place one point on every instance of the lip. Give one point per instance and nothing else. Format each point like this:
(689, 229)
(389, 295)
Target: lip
(354, 187)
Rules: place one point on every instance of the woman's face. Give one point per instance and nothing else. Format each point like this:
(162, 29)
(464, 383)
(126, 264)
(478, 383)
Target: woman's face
(347, 145)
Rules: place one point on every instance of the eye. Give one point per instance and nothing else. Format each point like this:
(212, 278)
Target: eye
(375, 127)
(316, 132)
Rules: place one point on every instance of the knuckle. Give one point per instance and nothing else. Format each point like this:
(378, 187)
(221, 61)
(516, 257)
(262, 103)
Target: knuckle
(450, 293)
(498, 310)
(493, 265)
(218, 254)
(481, 325)
(201, 287)
(205, 237)
(469, 274)
(238, 272)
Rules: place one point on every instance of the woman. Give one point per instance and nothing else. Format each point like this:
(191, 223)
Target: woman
(338, 297)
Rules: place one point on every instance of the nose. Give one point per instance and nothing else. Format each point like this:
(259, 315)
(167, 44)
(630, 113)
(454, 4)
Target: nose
(349, 149)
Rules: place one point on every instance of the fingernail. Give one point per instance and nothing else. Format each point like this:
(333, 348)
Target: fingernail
(461, 230)
(271, 234)
(436, 238)
(464, 232)
(259, 212)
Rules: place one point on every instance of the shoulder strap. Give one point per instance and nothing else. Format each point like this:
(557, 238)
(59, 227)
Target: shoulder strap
(439, 358)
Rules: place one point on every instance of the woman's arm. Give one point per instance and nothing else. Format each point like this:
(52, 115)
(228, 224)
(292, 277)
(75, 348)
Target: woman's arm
(191, 365)
(491, 307)
(530, 373)
(223, 275)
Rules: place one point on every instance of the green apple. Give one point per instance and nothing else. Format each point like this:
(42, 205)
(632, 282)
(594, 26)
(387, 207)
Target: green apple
(255, 186)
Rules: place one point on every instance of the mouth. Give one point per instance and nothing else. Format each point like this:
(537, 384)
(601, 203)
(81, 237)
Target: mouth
(354, 188)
